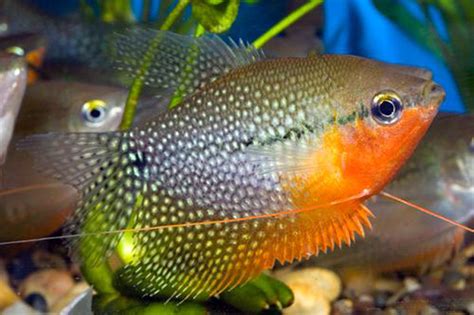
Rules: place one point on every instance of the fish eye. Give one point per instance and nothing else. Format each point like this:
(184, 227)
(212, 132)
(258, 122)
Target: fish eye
(386, 108)
(94, 111)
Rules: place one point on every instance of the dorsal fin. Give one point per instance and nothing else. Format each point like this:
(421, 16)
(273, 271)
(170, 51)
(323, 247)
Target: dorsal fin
(180, 61)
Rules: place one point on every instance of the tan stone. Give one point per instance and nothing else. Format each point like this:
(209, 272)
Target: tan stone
(52, 284)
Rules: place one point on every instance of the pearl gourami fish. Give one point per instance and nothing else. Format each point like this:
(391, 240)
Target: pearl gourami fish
(264, 160)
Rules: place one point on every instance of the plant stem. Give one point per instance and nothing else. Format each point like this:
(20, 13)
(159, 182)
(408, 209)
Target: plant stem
(193, 53)
(171, 19)
(287, 21)
(137, 84)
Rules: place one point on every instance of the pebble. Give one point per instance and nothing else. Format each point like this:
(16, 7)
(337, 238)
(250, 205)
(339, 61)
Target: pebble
(470, 307)
(390, 311)
(308, 302)
(320, 281)
(430, 310)
(43, 260)
(343, 307)
(411, 284)
(52, 284)
(20, 267)
(37, 301)
(364, 304)
(380, 298)
(78, 289)
(7, 295)
(358, 282)
(454, 279)
(388, 285)
(20, 307)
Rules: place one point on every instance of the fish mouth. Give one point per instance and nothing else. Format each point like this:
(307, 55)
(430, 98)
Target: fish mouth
(433, 95)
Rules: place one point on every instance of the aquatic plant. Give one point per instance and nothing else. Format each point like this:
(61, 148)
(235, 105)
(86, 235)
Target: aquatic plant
(447, 29)
(215, 16)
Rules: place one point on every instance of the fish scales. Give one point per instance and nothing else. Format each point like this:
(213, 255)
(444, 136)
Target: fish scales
(243, 172)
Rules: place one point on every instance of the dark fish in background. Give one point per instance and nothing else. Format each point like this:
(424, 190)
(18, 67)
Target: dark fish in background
(13, 79)
(439, 176)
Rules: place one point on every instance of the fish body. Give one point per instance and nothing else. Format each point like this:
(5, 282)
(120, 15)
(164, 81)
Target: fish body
(439, 176)
(264, 160)
(12, 86)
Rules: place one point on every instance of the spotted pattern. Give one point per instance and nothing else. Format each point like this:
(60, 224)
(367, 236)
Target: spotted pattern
(210, 159)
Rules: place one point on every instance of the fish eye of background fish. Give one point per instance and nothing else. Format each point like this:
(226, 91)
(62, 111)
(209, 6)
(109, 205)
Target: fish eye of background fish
(94, 111)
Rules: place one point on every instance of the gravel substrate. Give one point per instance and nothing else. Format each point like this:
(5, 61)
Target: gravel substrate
(44, 280)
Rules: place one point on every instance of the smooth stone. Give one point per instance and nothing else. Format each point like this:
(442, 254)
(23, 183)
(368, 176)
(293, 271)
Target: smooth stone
(317, 280)
(387, 285)
(380, 298)
(52, 284)
(7, 295)
(43, 259)
(20, 268)
(37, 301)
(20, 307)
(357, 282)
(364, 304)
(77, 290)
(308, 302)
(411, 284)
(343, 307)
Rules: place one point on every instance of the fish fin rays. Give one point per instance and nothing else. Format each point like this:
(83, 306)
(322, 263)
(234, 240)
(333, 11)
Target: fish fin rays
(188, 260)
(101, 172)
(179, 63)
(287, 157)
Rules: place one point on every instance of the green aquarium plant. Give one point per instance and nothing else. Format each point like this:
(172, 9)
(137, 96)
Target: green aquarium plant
(456, 47)
(261, 293)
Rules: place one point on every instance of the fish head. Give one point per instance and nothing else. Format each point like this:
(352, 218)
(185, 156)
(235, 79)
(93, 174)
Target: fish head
(70, 106)
(101, 113)
(12, 87)
(393, 107)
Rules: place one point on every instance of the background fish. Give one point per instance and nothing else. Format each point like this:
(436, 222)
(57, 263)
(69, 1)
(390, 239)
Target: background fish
(70, 106)
(439, 176)
(296, 142)
(12, 86)
(32, 205)
(69, 40)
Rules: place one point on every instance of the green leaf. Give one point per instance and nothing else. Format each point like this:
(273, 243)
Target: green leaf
(116, 11)
(417, 29)
(216, 16)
